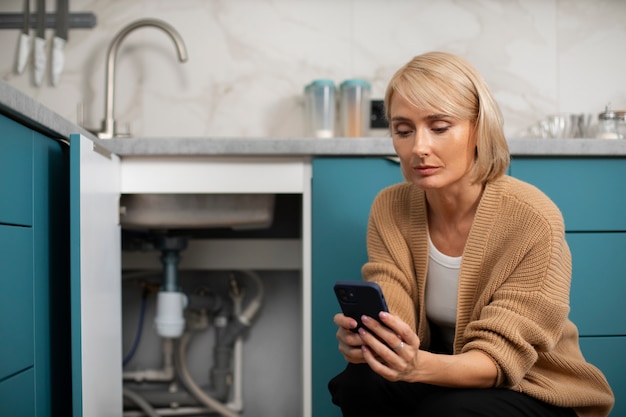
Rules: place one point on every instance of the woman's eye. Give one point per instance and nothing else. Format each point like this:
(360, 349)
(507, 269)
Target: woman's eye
(403, 133)
(440, 129)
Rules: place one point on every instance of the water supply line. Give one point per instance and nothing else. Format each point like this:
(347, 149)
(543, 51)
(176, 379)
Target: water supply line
(140, 402)
(108, 124)
(191, 385)
(227, 338)
(165, 374)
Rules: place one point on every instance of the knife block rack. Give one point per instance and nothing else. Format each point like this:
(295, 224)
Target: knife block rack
(84, 20)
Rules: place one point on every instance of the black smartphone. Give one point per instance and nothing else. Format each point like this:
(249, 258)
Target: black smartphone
(358, 298)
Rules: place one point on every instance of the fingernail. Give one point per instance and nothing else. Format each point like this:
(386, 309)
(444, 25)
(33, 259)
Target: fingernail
(361, 331)
(383, 315)
(365, 319)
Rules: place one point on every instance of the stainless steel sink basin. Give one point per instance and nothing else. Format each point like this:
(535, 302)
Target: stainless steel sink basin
(196, 211)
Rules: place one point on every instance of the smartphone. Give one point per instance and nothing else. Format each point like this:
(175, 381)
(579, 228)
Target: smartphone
(358, 298)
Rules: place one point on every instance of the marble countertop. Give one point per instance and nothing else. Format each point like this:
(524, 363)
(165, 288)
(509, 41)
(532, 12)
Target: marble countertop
(25, 109)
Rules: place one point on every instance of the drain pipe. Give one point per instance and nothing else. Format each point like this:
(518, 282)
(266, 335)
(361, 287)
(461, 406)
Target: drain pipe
(171, 302)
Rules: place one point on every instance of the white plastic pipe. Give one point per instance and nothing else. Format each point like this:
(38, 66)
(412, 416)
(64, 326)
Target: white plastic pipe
(169, 319)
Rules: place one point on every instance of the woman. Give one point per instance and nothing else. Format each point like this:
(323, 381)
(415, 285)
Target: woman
(474, 267)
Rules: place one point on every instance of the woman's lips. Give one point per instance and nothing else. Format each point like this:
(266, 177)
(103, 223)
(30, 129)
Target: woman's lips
(425, 169)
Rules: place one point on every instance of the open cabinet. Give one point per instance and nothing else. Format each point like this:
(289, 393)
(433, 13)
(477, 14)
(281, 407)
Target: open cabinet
(99, 182)
(95, 280)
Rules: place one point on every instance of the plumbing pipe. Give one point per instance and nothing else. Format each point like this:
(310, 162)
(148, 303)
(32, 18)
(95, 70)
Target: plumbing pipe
(165, 374)
(236, 402)
(143, 404)
(254, 306)
(169, 320)
(180, 411)
(244, 320)
(190, 384)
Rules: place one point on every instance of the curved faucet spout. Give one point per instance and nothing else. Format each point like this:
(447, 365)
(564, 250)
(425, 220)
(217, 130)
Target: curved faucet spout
(108, 124)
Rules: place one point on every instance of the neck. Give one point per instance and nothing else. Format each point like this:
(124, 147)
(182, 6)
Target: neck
(450, 217)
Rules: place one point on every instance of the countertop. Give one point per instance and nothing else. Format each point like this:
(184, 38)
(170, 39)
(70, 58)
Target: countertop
(25, 109)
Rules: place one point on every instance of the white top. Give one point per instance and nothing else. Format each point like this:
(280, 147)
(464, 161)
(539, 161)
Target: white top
(442, 284)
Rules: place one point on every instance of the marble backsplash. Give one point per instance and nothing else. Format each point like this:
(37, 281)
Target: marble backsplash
(249, 60)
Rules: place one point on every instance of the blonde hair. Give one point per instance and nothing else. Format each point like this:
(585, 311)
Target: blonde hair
(445, 82)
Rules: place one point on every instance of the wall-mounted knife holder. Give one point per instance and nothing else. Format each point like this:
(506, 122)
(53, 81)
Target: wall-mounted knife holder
(85, 20)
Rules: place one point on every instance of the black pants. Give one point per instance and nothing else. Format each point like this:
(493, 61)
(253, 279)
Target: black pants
(360, 392)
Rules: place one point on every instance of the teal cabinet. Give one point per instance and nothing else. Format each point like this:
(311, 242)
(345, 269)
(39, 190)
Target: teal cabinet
(17, 396)
(598, 283)
(16, 300)
(587, 190)
(590, 194)
(34, 277)
(16, 173)
(343, 190)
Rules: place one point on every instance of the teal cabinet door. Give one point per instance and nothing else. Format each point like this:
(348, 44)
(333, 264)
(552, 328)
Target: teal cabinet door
(35, 351)
(598, 283)
(589, 191)
(17, 396)
(607, 353)
(16, 178)
(342, 192)
(16, 300)
(590, 194)
(51, 293)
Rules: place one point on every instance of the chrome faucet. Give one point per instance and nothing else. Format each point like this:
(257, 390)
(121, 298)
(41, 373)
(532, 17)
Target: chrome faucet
(108, 124)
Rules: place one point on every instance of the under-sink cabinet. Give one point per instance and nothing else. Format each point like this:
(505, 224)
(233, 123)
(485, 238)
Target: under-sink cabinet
(276, 348)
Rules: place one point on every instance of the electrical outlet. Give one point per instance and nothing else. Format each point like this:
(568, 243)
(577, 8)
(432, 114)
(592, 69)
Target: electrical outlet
(377, 115)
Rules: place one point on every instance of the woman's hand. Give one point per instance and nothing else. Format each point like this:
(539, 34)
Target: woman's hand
(375, 343)
(392, 349)
(349, 341)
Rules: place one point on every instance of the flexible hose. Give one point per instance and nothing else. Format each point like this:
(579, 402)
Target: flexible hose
(254, 306)
(140, 402)
(190, 384)
(142, 313)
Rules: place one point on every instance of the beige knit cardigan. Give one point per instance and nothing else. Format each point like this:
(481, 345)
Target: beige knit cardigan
(513, 296)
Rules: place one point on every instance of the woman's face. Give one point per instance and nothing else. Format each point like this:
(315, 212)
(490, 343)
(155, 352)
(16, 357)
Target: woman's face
(436, 151)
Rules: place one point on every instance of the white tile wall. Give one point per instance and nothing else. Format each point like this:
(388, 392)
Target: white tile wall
(250, 59)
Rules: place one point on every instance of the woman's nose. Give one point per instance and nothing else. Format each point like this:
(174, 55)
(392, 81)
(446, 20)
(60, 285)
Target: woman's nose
(421, 144)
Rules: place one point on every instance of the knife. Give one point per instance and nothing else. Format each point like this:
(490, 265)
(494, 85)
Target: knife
(40, 42)
(23, 43)
(59, 40)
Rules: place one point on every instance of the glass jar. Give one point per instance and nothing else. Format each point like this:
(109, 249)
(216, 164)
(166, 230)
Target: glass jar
(354, 108)
(607, 125)
(621, 123)
(319, 109)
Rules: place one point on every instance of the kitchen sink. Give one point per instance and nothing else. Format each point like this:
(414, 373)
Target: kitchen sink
(196, 211)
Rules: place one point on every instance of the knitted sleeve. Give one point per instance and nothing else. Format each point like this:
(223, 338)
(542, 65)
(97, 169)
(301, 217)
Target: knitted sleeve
(389, 255)
(524, 302)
